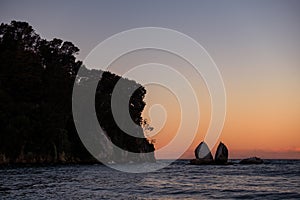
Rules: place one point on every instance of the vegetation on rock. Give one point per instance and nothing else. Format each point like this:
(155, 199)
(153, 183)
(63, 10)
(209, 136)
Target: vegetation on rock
(36, 81)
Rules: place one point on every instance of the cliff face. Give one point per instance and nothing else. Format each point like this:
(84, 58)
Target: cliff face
(135, 142)
(36, 121)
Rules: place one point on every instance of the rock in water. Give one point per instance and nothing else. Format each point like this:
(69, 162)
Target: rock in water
(202, 152)
(201, 162)
(221, 156)
(252, 160)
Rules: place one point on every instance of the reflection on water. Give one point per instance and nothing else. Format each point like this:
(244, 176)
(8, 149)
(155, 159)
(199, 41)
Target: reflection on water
(277, 179)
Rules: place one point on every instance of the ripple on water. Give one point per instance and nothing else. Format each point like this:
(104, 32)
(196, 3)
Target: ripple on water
(275, 180)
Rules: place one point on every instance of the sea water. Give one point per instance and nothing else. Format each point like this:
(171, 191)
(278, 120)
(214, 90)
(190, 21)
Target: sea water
(276, 179)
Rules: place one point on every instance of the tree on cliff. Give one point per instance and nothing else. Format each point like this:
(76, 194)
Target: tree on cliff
(36, 81)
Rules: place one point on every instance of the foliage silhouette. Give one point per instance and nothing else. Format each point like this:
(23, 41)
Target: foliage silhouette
(36, 81)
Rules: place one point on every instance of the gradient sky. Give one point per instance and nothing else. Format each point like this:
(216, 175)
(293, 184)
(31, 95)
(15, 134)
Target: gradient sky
(255, 44)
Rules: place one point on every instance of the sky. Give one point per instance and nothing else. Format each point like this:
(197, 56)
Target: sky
(255, 44)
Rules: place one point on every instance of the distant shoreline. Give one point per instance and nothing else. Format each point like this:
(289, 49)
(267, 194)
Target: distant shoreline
(267, 161)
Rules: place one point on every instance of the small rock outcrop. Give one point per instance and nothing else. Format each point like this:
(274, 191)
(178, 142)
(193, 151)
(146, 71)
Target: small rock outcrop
(221, 156)
(252, 160)
(204, 156)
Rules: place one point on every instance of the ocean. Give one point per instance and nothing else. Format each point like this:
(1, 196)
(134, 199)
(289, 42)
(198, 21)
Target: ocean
(276, 179)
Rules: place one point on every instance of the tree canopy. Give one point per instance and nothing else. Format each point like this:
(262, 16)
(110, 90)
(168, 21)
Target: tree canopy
(36, 81)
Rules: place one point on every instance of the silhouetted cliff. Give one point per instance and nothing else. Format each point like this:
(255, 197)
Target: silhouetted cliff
(36, 81)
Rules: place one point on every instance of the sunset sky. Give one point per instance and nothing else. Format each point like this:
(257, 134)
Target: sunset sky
(255, 44)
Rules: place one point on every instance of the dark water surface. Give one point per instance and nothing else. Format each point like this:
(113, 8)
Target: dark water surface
(278, 179)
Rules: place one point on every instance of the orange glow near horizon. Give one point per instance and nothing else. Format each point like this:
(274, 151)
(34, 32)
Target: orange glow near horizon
(266, 126)
(263, 105)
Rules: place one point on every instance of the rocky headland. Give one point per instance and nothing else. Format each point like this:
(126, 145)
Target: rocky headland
(36, 119)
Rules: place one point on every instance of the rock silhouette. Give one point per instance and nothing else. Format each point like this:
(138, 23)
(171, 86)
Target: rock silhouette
(221, 156)
(202, 152)
(203, 155)
(252, 160)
